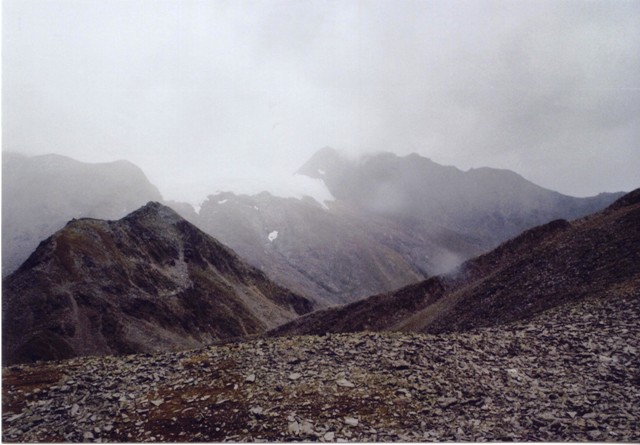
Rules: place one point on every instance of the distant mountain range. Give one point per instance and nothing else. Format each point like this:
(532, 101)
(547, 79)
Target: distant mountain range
(40, 194)
(148, 282)
(395, 220)
(560, 262)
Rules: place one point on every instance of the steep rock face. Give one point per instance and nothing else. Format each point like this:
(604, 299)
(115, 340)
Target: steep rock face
(547, 266)
(42, 193)
(148, 282)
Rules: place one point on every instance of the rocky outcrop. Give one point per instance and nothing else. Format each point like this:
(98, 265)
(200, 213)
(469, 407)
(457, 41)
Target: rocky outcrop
(148, 282)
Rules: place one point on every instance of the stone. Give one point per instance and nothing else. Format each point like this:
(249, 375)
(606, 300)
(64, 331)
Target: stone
(445, 402)
(294, 428)
(345, 383)
(250, 378)
(400, 365)
(294, 376)
(351, 421)
(307, 428)
(329, 436)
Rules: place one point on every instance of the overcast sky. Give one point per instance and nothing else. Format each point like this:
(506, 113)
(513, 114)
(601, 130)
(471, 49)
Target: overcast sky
(205, 94)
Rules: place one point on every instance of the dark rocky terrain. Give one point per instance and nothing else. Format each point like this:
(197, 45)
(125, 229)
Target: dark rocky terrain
(42, 193)
(146, 283)
(571, 373)
(544, 267)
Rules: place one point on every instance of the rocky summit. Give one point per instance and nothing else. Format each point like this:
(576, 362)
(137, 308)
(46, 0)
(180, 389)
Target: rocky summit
(148, 282)
(571, 373)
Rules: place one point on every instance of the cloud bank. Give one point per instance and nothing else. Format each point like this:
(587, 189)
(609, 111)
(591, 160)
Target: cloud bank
(199, 92)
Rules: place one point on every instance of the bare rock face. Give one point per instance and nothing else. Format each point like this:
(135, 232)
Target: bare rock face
(544, 267)
(148, 282)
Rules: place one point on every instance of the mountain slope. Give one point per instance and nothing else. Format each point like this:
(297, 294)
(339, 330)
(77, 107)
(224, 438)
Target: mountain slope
(148, 282)
(42, 193)
(333, 255)
(544, 267)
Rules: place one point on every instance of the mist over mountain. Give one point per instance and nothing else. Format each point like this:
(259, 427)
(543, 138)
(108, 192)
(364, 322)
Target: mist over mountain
(491, 205)
(40, 194)
(390, 221)
(150, 281)
(327, 254)
(551, 265)
(393, 220)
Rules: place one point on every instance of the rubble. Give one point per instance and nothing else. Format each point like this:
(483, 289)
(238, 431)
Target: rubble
(569, 374)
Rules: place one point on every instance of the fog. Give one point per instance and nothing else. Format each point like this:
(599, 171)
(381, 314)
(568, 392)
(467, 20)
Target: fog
(236, 95)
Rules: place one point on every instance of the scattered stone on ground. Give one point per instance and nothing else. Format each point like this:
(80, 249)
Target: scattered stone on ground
(570, 374)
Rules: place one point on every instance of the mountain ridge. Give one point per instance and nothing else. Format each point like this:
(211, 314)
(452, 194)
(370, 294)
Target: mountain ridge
(150, 281)
(544, 267)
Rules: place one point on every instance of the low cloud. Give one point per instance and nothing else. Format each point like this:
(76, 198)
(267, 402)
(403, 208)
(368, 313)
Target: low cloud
(195, 92)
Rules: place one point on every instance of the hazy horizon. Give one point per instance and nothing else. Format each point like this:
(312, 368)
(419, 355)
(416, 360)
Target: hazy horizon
(201, 94)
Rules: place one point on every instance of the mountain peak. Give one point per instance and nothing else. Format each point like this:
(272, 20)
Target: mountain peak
(325, 161)
(150, 281)
(155, 210)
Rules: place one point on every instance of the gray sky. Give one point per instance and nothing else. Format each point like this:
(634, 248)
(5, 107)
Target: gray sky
(206, 95)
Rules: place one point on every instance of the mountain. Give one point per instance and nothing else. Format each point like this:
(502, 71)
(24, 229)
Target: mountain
(41, 193)
(394, 221)
(551, 265)
(333, 254)
(489, 205)
(150, 281)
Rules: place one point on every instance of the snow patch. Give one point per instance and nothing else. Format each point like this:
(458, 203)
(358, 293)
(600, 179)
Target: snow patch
(321, 172)
(273, 235)
(223, 201)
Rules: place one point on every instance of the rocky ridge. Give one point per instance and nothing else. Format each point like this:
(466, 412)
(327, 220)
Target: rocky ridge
(544, 267)
(148, 282)
(396, 220)
(571, 373)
